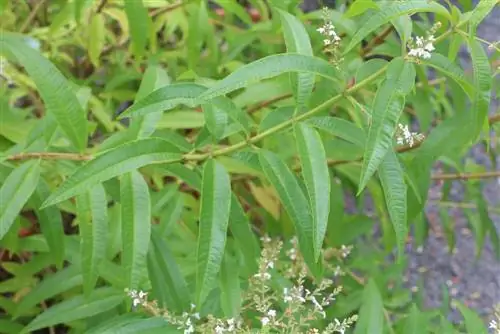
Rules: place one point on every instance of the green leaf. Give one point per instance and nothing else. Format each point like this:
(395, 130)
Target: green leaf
(114, 162)
(270, 67)
(369, 67)
(60, 100)
(215, 206)
(136, 225)
(371, 314)
(444, 65)
(387, 108)
(92, 209)
(50, 287)
(241, 230)
(358, 7)
(216, 120)
(390, 11)
(473, 322)
(483, 8)
(317, 180)
(50, 222)
(15, 192)
(169, 287)
(413, 323)
(295, 203)
(154, 78)
(129, 323)
(171, 214)
(393, 183)
(139, 23)
(482, 85)
(230, 288)
(340, 128)
(97, 38)
(78, 307)
(297, 41)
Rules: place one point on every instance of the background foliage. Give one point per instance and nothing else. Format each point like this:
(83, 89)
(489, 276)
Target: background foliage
(150, 145)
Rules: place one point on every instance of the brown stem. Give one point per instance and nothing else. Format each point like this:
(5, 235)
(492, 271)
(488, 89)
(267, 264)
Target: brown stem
(466, 176)
(101, 6)
(32, 15)
(377, 40)
(50, 156)
(268, 103)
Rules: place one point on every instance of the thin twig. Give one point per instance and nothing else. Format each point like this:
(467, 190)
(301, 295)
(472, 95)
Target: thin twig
(50, 156)
(466, 176)
(101, 6)
(32, 15)
(377, 40)
(268, 103)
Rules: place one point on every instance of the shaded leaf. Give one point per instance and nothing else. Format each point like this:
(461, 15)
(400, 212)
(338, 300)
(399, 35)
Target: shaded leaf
(371, 314)
(139, 23)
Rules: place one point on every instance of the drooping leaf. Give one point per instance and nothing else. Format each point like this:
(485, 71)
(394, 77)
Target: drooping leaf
(241, 230)
(154, 78)
(78, 307)
(60, 100)
(169, 286)
(136, 225)
(482, 85)
(15, 192)
(444, 65)
(114, 162)
(297, 41)
(371, 314)
(50, 222)
(296, 204)
(392, 10)
(93, 227)
(139, 23)
(393, 183)
(50, 287)
(317, 180)
(230, 288)
(270, 67)
(215, 206)
(483, 8)
(387, 107)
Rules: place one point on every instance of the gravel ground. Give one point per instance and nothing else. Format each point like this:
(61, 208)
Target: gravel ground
(475, 283)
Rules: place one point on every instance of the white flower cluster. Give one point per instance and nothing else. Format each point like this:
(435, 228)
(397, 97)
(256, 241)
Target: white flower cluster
(138, 297)
(328, 31)
(269, 319)
(300, 295)
(188, 321)
(404, 136)
(422, 47)
(494, 325)
(229, 326)
(345, 250)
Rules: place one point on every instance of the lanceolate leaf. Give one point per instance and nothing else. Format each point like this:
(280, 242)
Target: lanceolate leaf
(387, 107)
(114, 162)
(215, 205)
(295, 203)
(154, 78)
(473, 323)
(270, 67)
(79, 307)
(317, 179)
(50, 287)
(97, 38)
(230, 288)
(15, 192)
(392, 10)
(50, 222)
(341, 128)
(297, 40)
(244, 236)
(393, 183)
(136, 225)
(139, 22)
(92, 211)
(482, 85)
(60, 100)
(483, 8)
(169, 287)
(371, 315)
(444, 65)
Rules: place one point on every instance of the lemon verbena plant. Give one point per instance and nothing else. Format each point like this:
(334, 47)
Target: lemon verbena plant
(220, 166)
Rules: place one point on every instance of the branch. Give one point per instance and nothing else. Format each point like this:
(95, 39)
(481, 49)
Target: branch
(466, 176)
(32, 15)
(377, 40)
(49, 156)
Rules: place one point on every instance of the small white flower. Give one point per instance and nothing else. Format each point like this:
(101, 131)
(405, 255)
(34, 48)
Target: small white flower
(219, 329)
(270, 264)
(493, 324)
(321, 30)
(196, 316)
(327, 42)
(271, 313)
(264, 321)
